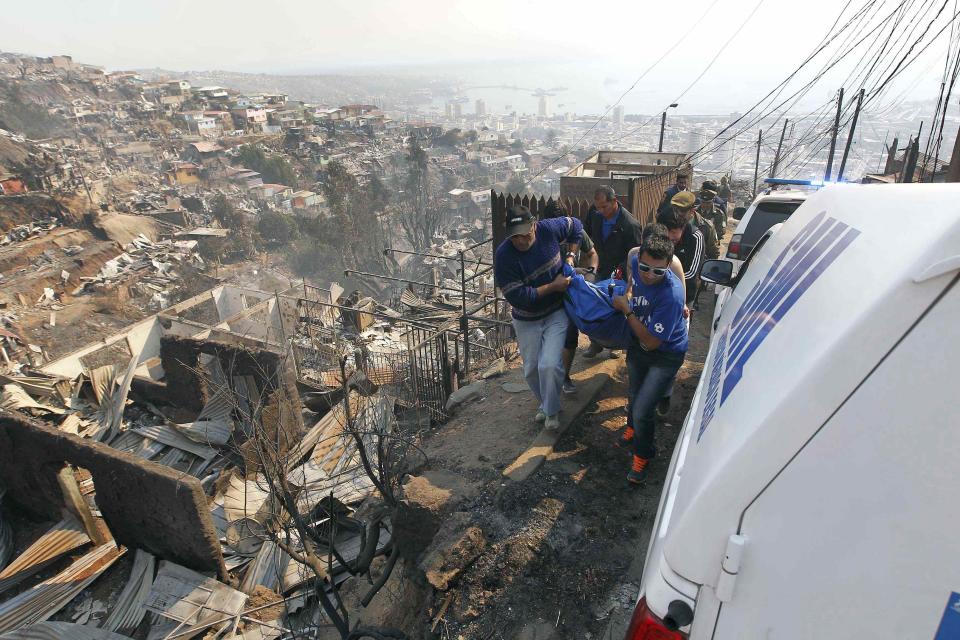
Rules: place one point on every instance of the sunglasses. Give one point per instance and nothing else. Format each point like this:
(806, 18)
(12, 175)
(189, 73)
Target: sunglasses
(657, 271)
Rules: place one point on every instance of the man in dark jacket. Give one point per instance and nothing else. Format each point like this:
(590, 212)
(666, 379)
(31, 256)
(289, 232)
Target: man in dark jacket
(680, 185)
(614, 231)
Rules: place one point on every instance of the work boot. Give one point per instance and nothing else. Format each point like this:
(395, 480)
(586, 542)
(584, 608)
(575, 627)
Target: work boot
(569, 387)
(638, 470)
(663, 406)
(592, 350)
(552, 423)
(626, 439)
(540, 417)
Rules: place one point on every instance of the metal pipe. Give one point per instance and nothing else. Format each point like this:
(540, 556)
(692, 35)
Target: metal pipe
(347, 272)
(431, 255)
(464, 319)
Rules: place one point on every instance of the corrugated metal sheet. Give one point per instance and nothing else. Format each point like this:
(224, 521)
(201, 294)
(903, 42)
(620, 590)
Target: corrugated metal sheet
(192, 599)
(173, 438)
(264, 570)
(129, 609)
(61, 631)
(51, 595)
(63, 537)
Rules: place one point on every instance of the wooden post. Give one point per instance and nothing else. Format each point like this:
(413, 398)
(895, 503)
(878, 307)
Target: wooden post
(833, 137)
(77, 506)
(910, 161)
(891, 155)
(853, 129)
(756, 165)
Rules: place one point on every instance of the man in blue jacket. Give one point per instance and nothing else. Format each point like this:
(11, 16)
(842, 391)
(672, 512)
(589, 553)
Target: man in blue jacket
(654, 312)
(528, 269)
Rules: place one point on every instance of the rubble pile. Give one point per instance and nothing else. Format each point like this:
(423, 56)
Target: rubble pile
(322, 469)
(29, 230)
(153, 264)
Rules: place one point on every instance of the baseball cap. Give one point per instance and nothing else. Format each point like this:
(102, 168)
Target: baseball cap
(519, 221)
(683, 200)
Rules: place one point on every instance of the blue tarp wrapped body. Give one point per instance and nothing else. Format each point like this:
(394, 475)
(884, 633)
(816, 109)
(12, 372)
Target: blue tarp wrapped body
(590, 307)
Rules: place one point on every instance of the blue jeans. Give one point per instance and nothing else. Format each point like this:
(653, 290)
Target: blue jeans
(651, 375)
(541, 346)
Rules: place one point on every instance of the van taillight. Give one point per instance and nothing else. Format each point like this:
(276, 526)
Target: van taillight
(733, 249)
(646, 626)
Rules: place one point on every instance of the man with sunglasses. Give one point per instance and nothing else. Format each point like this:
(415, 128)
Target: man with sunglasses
(654, 312)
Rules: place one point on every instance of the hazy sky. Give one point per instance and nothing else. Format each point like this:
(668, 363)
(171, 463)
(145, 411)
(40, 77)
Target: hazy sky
(317, 35)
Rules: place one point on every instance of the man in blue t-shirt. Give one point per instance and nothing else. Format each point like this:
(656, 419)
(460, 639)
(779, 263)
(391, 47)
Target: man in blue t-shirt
(654, 312)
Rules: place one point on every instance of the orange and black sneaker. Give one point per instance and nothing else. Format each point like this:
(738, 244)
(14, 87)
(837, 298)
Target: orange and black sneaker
(626, 439)
(638, 471)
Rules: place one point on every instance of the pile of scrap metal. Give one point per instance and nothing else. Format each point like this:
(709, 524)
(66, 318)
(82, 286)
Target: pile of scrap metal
(153, 263)
(320, 487)
(29, 230)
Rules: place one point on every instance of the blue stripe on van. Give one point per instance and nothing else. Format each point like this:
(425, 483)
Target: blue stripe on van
(796, 268)
(780, 286)
(949, 628)
(710, 404)
(735, 371)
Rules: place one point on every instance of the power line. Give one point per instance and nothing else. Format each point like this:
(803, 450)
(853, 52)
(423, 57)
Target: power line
(631, 87)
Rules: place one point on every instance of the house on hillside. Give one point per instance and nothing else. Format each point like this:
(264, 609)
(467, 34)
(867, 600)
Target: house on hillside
(182, 173)
(272, 192)
(244, 177)
(305, 199)
(249, 118)
(11, 184)
(204, 153)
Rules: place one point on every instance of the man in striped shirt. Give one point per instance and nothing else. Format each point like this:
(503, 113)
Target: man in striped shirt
(528, 269)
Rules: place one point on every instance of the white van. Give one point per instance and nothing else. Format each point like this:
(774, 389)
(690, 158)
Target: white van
(814, 491)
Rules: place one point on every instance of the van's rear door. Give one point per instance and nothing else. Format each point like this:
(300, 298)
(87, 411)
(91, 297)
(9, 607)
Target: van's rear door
(857, 536)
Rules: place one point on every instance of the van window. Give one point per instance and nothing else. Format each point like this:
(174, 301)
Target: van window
(765, 216)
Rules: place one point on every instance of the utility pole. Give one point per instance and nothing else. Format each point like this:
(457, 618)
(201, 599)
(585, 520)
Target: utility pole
(663, 125)
(756, 165)
(853, 129)
(953, 171)
(776, 157)
(833, 137)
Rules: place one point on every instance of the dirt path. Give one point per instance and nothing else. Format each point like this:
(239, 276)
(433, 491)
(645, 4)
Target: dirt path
(560, 546)
(564, 549)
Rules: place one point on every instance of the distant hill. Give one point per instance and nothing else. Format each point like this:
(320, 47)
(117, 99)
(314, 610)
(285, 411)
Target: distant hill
(327, 88)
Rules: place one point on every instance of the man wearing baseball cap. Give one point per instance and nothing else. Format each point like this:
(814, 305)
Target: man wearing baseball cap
(710, 209)
(528, 269)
